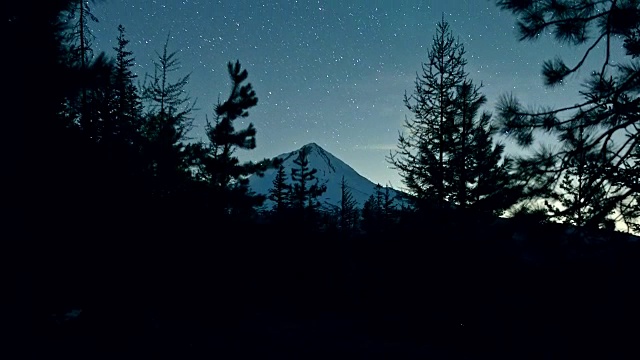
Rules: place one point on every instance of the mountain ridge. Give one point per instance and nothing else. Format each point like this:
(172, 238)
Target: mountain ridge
(330, 170)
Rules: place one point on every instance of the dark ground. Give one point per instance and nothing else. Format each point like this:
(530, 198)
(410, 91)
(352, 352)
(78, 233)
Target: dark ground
(505, 295)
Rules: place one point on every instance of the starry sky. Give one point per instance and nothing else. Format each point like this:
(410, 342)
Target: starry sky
(332, 72)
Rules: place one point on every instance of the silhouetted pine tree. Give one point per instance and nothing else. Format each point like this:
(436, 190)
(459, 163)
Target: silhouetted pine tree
(127, 103)
(484, 175)
(370, 215)
(80, 35)
(425, 148)
(579, 195)
(496, 188)
(116, 108)
(388, 208)
(378, 194)
(79, 39)
(100, 92)
(167, 120)
(611, 101)
(90, 106)
(628, 210)
(448, 152)
(379, 211)
(305, 187)
(481, 178)
(280, 192)
(348, 211)
(226, 178)
(373, 220)
(387, 205)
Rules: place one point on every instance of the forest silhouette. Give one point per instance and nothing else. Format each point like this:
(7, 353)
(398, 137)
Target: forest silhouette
(132, 241)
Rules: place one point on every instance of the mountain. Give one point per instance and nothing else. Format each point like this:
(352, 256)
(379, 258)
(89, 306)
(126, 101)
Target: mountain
(330, 172)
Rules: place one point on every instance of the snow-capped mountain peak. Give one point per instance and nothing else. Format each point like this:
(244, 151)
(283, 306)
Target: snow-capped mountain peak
(330, 171)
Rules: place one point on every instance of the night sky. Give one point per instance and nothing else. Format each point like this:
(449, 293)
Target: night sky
(332, 72)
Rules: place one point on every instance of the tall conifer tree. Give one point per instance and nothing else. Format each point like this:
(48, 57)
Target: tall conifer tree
(424, 150)
(167, 120)
(447, 153)
(79, 40)
(280, 192)
(127, 102)
(378, 211)
(348, 212)
(579, 194)
(305, 186)
(227, 178)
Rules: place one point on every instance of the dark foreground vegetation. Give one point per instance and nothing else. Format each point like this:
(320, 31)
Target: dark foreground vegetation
(503, 290)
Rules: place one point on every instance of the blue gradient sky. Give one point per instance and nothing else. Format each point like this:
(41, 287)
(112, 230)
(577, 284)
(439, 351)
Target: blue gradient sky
(332, 72)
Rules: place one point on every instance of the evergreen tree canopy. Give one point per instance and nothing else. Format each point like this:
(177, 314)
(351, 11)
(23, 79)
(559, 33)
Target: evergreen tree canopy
(127, 102)
(447, 154)
(305, 187)
(167, 120)
(424, 150)
(280, 192)
(611, 104)
(385, 202)
(168, 105)
(80, 36)
(79, 39)
(348, 212)
(225, 175)
(579, 192)
(370, 215)
(379, 211)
